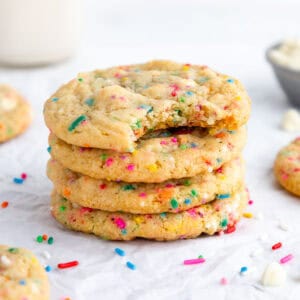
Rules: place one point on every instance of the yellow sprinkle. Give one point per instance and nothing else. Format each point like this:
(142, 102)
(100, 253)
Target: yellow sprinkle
(124, 79)
(222, 177)
(248, 215)
(134, 153)
(152, 168)
(138, 220)
(238, 98)
(186, 67)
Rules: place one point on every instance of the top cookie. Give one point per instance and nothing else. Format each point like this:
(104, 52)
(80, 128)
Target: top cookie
(287, 167)
(113, 108)
(15, 113)
(21, 275)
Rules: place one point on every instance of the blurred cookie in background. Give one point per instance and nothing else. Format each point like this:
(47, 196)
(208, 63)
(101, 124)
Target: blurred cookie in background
(15, 113)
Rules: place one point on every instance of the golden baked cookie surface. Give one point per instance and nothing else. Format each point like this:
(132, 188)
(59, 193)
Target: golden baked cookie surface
(287, 167)
(21, 275)
(113, 108)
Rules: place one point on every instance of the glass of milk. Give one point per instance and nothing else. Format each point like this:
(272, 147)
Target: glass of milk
(38, 32)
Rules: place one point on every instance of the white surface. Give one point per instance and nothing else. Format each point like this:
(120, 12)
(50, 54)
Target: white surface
(226, 35)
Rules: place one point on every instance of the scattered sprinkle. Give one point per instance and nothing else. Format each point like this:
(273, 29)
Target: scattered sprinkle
(194, 193)
(45, 237)
(224, 223)
(276, 246)
(247, 215)
(54, 99)
(283, 226)
(50, 240)
(146, 107)
(187, 201)
(286, 258)
(189, 93)
(250, 202)
(46, 254)
(49, 149)
(243, 270)
(130, 167)
(120, 223)
(4, 204)
(223, 281)
(230, 80)
(77, 122)
(18, 180)
(39, 239)
(22, 282)
(130, 265)
(120, 251)
(128, 187)
(230, 229)
(194, 261)
(68, 264)
(24, 176)
(48, 269)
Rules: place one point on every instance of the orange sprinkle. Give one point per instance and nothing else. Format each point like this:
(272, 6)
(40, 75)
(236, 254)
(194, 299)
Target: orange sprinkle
(165, 194)
(45, 237)
(220, 134)
(66, 192)
(4, 204)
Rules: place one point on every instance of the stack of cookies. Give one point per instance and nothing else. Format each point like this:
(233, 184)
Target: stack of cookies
(150, 150)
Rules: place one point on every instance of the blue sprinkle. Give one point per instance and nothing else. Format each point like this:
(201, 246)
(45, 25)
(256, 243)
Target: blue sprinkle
(219, 160)
(223, 196)
(49, 149)
(147, 107)
(193, 145)
(130, 265)
(48, 269)
(189, 93)
(89, 102)
(230, 80)
(22, 282)
(55, 99)
(120, 251)
(124, 231)
(163, 215)
(243, 269)
(18, 180)
(187, 201)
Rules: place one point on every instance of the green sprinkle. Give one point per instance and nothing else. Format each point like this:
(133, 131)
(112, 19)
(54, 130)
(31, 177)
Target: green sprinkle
(76, 122)
(194, 193)
(183, 147)
(174, 203)
(80, 79)
(55, 99)
(89, 102)
(179, 112)
(104, 157)
(62, 208)
(163, 215)
(50, 240)
(200, 256)
(187, 182)
(182, 99)
(39, 239)
(137, 125)
(128, 187)
(13, 250)
(224, 223)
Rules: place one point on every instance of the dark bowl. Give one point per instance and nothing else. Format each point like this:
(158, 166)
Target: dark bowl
(288, 79)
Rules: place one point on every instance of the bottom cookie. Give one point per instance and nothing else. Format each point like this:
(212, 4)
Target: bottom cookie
(21, 275)
(217, 216)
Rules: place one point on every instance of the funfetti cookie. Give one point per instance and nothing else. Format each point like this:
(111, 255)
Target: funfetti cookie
(219, 215)
(287, 167)
(15, 113)
(159, 156)
(144, 198)
(113, 108)
(21, 275)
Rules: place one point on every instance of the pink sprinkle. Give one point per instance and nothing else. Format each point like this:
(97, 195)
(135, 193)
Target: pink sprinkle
(130, 167)
(109, 162)
(169, 185)
(284, 176)
(174, 140)
(164, 143)
(123, 157)
(84, 122)
(120, 223)
(85, 209)
(224, 281)
(250, 202)
(24, 176)
(194, 261)
(192, 212)
(286, 258)
(142, 194)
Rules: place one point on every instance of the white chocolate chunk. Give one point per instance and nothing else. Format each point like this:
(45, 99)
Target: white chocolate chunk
(283, 226)
(291, 120)
(4, 261)
(274, 275)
